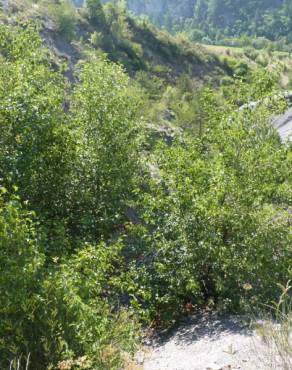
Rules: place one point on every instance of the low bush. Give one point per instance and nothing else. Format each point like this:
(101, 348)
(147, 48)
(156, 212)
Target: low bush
(217, 218)
(65, 18)
(83, 319)
(59, 314)
(262, 60)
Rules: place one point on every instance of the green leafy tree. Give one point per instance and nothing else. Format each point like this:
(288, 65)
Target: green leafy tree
(104, 115)
(65, 18)
(35, 145)
(59, 313)
(217, 215)
(95, 12)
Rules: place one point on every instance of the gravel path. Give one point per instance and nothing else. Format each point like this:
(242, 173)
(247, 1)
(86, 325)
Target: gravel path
(209, 342)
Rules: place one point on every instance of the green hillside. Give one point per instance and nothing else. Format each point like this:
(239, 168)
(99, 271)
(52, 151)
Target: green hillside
(215, 21)
(141, 181)
(133, 42)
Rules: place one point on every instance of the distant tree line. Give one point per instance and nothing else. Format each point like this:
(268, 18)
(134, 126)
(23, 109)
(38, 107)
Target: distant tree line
(214, 21)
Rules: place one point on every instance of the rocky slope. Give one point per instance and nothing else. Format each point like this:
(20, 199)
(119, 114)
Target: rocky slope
(135, 44)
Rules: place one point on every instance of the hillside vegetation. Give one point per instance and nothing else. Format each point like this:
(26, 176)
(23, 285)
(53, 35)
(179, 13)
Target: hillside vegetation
(131, 192)
(133, 42)
(239, 22)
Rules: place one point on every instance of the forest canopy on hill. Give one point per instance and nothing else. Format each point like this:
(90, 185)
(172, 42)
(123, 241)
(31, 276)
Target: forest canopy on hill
(215, 21)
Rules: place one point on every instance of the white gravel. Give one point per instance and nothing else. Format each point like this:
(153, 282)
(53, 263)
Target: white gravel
(210, 342)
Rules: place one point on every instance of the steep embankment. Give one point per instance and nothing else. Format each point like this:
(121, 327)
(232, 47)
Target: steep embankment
(130, 41)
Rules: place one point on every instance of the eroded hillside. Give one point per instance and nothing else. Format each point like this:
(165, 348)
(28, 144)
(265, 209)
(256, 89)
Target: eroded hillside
(133, 42)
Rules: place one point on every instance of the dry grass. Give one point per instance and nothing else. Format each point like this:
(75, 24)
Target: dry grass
(277, 334)
(130, 363)
(15, 364)
(274, 61)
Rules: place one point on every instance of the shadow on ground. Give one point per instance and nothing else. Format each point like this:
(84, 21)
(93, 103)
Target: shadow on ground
(203, 325)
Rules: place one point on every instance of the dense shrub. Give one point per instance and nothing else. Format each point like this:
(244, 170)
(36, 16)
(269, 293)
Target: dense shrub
(76, 170)
(21, 263)
(35, 144)
(95, 12)
(82, 320)
(56, 314)
(103, 232)
(218, 219)
(103, 115)
(65, 18)
(79, 167)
